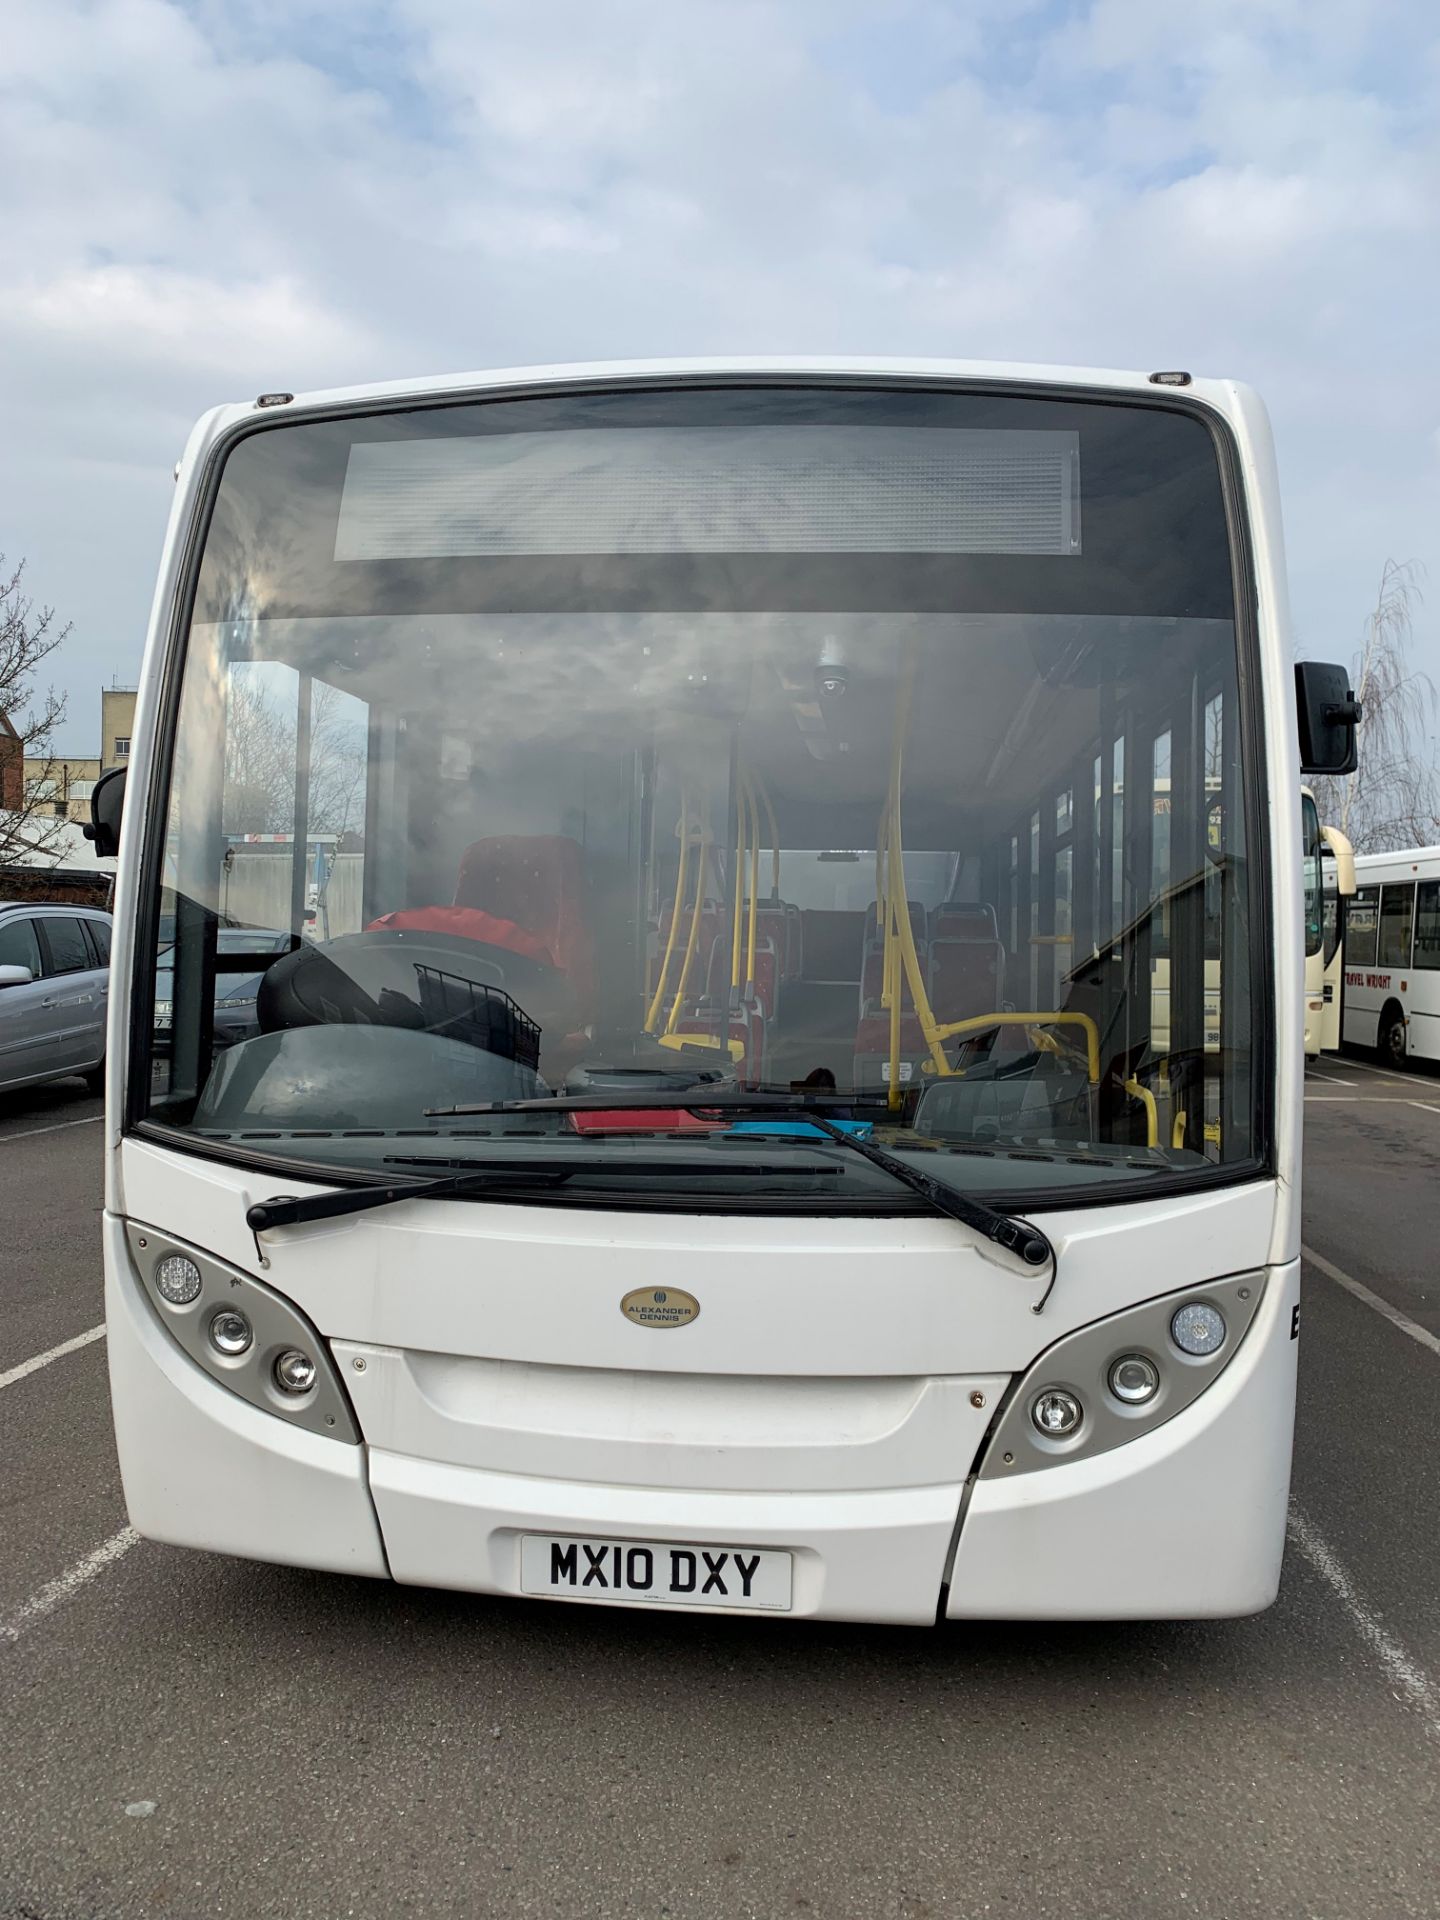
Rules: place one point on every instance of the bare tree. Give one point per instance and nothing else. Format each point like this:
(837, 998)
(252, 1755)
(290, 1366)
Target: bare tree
(29, 716)
(261, 735)
(259, 759)
(1393, 799)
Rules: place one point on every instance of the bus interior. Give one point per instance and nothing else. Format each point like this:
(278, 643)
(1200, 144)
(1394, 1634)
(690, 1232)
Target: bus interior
(980, 878)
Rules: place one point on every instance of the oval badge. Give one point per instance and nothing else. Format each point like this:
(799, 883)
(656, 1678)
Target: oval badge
(660, 1307)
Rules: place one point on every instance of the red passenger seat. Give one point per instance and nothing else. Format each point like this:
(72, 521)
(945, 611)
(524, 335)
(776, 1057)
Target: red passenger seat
(967, 961)
(537, 882)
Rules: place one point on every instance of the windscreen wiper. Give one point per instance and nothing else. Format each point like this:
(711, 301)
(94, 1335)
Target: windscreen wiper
(288, 1210)
(1001, 1229)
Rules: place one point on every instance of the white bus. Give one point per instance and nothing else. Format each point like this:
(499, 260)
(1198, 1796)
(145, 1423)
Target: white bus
(1329, 881)
(1392, 956)
(728, 1163)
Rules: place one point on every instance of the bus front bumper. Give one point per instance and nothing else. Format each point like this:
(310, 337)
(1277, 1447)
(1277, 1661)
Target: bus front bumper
(1187, 1521)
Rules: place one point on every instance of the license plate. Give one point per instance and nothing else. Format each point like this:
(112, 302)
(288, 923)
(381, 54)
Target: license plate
(663, 1570)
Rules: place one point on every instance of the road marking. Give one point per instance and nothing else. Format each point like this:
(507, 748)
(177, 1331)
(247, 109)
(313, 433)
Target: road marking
(1333, 1078)
(1380, 1073)
(1362, 1292)
(32, 1133)
(55, 1353)
(57, 1591)
(1423, 1103)
(1412, 1682)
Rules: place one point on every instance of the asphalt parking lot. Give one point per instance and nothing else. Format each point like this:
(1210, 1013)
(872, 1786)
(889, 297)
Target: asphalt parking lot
(185, 1735)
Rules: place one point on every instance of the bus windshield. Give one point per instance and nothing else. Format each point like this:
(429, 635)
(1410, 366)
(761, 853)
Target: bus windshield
(880, 742)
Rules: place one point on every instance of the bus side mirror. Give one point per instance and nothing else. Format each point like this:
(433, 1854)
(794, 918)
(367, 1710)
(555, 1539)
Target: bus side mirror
(1328, 714)
(107, 810)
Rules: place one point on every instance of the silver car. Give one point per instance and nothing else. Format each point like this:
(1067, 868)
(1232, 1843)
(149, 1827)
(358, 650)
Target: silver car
(54, 984)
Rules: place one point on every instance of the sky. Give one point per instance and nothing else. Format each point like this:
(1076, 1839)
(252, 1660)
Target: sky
(211, 200)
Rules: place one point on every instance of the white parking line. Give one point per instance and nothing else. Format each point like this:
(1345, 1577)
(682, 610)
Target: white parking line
(1333, 1078)
(1380, 1073)
(40, 1360)
(55, 1592)
(1423, 1103)
(1362, 1292)
(1411, 1682)
(32, 1133)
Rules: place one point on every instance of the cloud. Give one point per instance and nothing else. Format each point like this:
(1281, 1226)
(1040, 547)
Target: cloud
(212, 199)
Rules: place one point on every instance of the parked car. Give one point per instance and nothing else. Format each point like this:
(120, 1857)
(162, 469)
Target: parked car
(235, 993)
(54, 984)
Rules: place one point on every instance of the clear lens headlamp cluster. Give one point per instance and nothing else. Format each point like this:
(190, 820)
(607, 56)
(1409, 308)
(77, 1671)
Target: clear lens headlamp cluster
(243, 1333)
(1109, 1382)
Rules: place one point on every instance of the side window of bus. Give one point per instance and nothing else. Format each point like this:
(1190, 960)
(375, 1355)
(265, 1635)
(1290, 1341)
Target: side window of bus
(1397, 909)
(1427, 925)
(1361, 927)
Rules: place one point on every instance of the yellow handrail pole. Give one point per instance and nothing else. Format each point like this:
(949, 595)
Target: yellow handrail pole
(920, 999)
(1177, 1132)
(881, 835)
(737, 887)
(774, 837)
(1152, 1112)
(892, 1097)
(754, 816)
(654, 1014)
(895, 881)
(674, 1020)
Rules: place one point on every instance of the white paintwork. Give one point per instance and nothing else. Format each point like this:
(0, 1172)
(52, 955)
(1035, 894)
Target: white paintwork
(847, 1307)
(719, 1431)
(779, 1296)
(1187, 1522)
(1370, 987)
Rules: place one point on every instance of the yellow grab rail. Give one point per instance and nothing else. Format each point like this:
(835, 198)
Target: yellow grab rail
(980, 1022)
(753, 813)
(676, 908)
(690, 944)
(1152, 1112)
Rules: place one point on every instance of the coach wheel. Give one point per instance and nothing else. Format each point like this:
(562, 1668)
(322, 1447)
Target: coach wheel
(1391, 1044)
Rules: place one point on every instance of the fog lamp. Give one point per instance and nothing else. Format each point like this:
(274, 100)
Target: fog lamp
(294, 1371)
(1198, 1328)
(230, 1332)
(1134, 1379)
(177, 1280)
(1056, 1412)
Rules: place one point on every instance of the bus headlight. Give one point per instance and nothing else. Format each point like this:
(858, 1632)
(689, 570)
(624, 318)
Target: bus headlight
(245, 1335)
(1134, 1379)
(230, 1333)
(1056, 1413)
(1122, 1377)
(1198, 1329)
(294, 1371)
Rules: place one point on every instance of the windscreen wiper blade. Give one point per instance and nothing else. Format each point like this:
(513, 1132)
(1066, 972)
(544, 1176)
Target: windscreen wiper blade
(288, 1210)
(692, 1099)
(1001, 1229)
